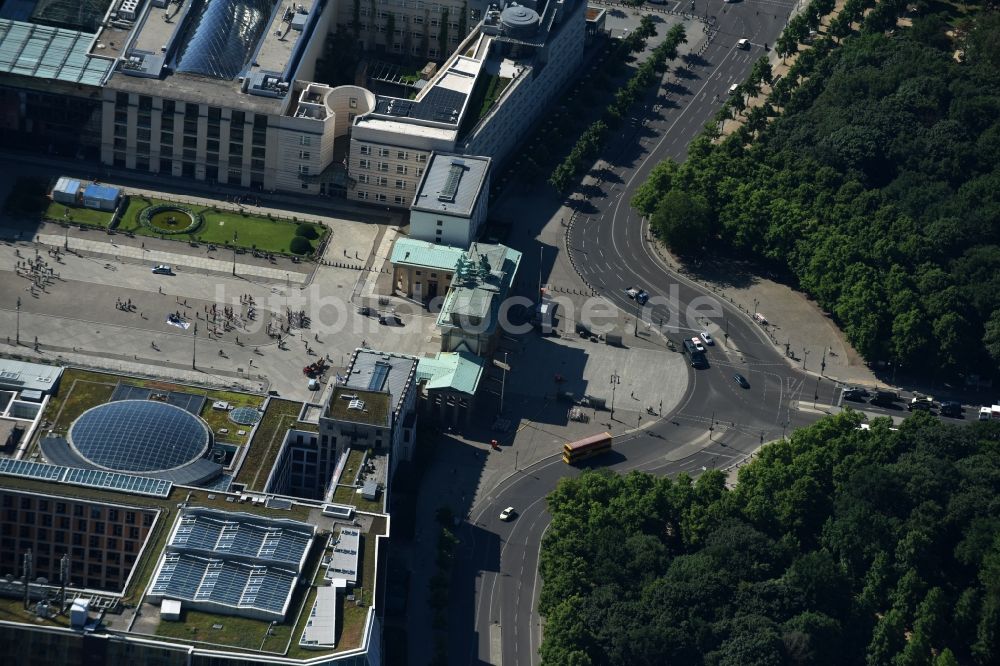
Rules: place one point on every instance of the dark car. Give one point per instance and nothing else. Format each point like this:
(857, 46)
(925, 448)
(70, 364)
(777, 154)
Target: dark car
(741, 380)
(642, 297)
(952, 409)
(920, 405)
(855, 394)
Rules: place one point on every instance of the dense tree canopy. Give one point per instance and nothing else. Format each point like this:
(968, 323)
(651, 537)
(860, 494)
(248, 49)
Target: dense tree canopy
(878, 188)
(838, 546)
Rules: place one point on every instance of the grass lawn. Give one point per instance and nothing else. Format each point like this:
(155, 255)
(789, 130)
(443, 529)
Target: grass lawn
(218, 227)
(237, 632)
(78, 392)
(279, 417)
(219, 418)
(348, 495)
(78, 215)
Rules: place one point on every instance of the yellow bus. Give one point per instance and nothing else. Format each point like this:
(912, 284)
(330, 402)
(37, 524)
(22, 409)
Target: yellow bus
(585, 448)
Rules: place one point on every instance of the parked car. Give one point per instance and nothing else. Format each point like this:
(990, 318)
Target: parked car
(697, 344)
(707, 338)
(855, 394)
(507, 513)
(951, 408)
(741, 380)
(641, 297)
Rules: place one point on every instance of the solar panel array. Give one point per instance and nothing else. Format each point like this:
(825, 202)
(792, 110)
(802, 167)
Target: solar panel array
(189, 402)
(241, 538)
(90, 478)
(227, 582)
(243, 563)
(139, 436)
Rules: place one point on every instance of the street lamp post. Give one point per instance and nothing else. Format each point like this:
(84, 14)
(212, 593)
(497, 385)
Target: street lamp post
(638, 313)
(194, 344)
(503, 383)
(755, 304)
(18, 336)
(711, 427)
(615, 381)
(822, 364)
(234, 254)
(805, 356)
(816, 392)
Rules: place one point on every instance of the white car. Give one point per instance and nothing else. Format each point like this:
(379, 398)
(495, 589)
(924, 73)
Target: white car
(697, 344)
(162, 269)
(707, 338)
(733, 89)
(507, 513)
(631, 292)
(743, 44)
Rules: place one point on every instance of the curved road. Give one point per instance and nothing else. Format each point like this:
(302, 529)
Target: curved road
(716, 424)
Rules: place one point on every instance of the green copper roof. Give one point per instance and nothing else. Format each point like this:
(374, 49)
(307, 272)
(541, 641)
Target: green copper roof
(458, 371)
(412, 252)
(51, 53)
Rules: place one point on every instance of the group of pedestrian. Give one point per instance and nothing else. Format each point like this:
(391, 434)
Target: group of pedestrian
(125, 305)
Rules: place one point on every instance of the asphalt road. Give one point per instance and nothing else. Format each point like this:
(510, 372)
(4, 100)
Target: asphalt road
(717, 424)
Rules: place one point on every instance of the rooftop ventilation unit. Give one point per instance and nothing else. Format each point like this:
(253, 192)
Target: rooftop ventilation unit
(129, 9)
(357, 404)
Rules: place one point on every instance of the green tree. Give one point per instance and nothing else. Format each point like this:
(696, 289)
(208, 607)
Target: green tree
(683, 221)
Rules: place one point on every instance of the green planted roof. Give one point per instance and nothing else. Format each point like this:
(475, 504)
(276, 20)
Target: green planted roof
(457, 371)
(413, 252)
(50, 53)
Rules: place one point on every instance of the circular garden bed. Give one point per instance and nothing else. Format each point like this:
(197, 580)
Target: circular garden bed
(170, 219)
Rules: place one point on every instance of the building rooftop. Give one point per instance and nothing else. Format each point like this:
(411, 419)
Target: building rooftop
(208, 50)
(375, 372)
(321, 628)
(424, 254)
(45, 52)
(452, 184)
(455, 371)
(20, 375)
(232, 562)
(357, 406)
(84, 15)
(480, 284)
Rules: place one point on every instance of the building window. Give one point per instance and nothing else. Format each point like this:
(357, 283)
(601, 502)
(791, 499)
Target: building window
(403, 155)
(305, 140)
(366, 150)
(383, 152)
(383, 166)
(418, 19)
(440, 223)
(364, 164)
(401, 169)
(380, 197)
(400, 184)
(362, 195)
(353, 103)
(303, 169)
(304, 154)
(363, 178)
(382, 181)
(422, 159)
(398, 199)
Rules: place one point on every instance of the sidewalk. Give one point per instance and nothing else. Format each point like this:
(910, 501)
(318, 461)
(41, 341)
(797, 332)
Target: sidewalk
(125, 252)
